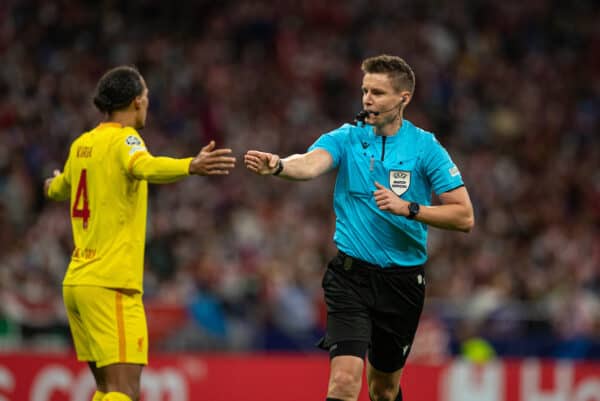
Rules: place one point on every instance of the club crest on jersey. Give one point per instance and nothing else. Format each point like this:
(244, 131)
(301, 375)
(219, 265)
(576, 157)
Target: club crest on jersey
(133, 140)
(399, 181)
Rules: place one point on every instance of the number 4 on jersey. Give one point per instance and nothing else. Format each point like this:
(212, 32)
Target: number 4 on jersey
(84, 211)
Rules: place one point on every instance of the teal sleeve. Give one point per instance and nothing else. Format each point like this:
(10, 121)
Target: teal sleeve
(333, 142)
(443, 174)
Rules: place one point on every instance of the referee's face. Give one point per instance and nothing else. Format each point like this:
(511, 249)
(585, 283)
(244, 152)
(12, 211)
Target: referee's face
(380, 96)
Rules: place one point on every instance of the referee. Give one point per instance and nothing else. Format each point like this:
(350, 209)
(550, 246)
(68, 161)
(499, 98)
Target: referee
(387, 169)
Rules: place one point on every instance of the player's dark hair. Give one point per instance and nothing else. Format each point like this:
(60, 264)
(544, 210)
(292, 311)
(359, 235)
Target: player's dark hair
(402, 76)
(117, 88)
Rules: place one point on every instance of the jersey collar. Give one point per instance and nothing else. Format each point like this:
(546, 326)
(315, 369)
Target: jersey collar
(390, 139)
(110, 124)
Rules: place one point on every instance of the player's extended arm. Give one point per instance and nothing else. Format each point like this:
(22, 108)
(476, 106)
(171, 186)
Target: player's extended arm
(158, 170)
(295, 167)
(455, 212)
(163, 170)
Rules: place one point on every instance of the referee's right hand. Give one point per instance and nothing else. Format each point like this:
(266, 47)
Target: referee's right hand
(211, 161)
(262, 163)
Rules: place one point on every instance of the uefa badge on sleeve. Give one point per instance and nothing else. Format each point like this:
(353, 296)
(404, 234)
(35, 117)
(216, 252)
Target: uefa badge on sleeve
(399, 181)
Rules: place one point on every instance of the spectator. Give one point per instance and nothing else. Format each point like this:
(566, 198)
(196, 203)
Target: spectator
(513, 89)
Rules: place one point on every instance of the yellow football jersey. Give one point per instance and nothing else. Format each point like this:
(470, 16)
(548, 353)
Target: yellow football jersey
(106, 179)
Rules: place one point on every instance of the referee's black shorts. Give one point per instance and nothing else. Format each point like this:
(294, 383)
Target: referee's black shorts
(372, 307)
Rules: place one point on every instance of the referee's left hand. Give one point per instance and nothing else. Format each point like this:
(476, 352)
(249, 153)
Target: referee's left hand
(388, 201)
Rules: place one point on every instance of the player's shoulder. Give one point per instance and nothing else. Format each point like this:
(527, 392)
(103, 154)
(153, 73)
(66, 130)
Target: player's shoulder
(82, 139)
(130, 141)
(126, 132)
(123, 136)
(130, 136)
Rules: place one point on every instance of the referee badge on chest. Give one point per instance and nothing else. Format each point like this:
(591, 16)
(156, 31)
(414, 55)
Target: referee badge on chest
(399, 181)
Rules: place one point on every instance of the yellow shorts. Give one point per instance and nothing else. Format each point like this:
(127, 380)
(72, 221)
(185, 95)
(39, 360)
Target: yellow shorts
(108, 325)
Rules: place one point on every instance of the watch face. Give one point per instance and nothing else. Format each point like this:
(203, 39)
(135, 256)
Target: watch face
(413, 209)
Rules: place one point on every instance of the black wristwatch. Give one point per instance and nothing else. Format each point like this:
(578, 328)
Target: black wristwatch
(279, 168)
(413, 210)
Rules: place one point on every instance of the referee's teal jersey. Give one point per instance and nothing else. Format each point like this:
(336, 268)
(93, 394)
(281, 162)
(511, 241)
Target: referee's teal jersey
(412, 163)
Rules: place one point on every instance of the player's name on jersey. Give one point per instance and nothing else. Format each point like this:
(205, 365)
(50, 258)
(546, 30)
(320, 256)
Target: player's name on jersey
(86, 253)
(84, 151)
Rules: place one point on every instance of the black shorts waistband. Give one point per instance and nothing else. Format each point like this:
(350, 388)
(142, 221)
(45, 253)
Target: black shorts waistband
(349, 262)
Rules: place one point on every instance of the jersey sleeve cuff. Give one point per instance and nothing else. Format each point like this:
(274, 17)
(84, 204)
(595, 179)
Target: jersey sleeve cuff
(449, 188)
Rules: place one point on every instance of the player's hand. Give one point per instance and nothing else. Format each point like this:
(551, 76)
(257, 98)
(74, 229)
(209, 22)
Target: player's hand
(48, 181)
(388, 201)
(261, 162)
(211, 161)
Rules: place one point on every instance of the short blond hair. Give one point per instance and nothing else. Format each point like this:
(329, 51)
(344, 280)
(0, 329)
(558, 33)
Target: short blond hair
(402, 76)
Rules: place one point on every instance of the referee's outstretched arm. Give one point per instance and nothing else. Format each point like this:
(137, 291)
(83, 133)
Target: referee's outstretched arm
(295, 167)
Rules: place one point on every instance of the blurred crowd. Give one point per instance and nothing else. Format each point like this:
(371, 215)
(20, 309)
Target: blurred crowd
(511, 89)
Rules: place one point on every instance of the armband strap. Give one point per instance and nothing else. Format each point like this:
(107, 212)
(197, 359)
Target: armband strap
(279, 168)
